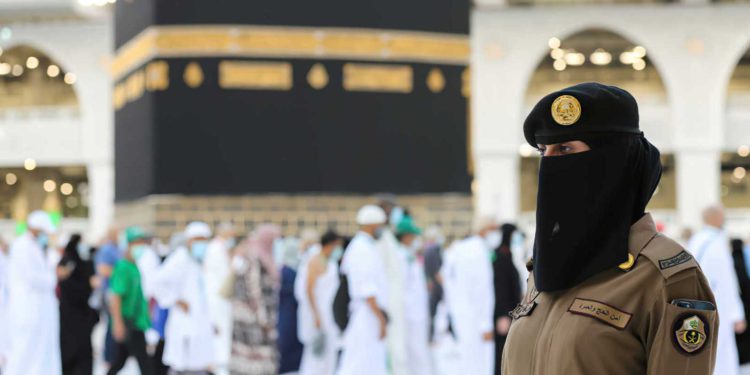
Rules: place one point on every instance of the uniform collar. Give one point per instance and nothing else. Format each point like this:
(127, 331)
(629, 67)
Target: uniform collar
(641, 233)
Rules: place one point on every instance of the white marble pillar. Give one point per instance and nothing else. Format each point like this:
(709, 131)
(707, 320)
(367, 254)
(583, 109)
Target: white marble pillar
(101, 198)
(698, 184)
(497, 185)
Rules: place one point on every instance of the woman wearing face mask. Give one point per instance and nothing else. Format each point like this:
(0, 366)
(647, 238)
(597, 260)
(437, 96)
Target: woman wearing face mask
(255, 304)
(317, 329)
(77, 319)
(607, 293)
(290, 347)
(179, 286)
(507, 289)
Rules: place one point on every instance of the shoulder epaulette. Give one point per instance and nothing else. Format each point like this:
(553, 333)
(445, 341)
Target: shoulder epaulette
(668, 256)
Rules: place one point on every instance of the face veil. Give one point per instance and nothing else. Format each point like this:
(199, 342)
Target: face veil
(586, 204)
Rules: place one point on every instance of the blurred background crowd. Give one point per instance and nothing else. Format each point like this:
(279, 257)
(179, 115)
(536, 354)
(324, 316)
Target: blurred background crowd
(213, 300)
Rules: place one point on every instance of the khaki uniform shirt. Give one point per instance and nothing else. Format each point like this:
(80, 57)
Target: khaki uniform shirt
(620, 321)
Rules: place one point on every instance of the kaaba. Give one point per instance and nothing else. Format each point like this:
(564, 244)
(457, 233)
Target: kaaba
(245, 100)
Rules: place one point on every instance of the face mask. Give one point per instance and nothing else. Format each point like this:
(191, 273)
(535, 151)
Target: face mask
(584, 213)
(42, 240)
(84, 252)
(378, 233)
(337, 253)
(137, 251)
(492, 240)
(198, 250)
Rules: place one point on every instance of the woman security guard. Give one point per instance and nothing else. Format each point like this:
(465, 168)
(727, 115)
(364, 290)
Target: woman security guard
(608, 294)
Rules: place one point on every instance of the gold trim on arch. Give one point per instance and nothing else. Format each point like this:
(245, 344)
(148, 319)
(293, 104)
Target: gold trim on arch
(286, 41)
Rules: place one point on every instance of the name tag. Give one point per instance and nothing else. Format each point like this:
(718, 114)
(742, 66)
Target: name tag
(676, 260)
(601, 311)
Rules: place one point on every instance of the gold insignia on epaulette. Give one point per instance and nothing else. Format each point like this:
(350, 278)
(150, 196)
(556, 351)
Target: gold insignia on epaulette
(566, 110)
(690, 334)
(627, 265)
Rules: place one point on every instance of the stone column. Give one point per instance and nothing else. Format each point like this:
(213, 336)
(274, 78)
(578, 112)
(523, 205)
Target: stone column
(101, 198)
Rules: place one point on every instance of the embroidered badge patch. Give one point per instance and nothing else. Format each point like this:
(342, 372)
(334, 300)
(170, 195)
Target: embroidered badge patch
(527, 305)
(601, 311)
(676, 260)
(690, 334)
(523, 309)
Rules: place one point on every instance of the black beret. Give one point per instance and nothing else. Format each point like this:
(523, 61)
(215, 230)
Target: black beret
(581, 111)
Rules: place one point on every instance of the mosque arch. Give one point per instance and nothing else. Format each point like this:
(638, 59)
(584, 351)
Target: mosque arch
(31, 78)
(735, 156)
(595, 54)
(606, 56)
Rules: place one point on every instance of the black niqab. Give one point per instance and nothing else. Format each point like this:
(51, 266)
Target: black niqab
(586, 204)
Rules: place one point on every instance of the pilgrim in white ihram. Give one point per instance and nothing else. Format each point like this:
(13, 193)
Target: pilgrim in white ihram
(180, 287)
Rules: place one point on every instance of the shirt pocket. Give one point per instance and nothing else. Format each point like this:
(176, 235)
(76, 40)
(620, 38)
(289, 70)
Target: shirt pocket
(586, 344)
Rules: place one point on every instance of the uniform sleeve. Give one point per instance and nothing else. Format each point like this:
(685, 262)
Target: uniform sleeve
(671, 348)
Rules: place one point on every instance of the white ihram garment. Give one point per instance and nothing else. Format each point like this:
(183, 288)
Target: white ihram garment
(188, 335)
(33, 311)
(216, 271)
(364, 353)
(416, 303)
(710, 247)
(469, 289)
(326, 286)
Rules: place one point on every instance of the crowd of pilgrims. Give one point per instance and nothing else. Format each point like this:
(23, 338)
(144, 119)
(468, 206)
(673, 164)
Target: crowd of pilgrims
(208, 302)
(211, 302)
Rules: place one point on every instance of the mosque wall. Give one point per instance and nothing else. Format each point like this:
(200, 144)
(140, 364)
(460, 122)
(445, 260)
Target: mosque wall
(695, 58)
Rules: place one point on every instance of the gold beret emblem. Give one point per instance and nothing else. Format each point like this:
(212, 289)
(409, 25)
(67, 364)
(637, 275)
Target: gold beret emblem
(566, 110)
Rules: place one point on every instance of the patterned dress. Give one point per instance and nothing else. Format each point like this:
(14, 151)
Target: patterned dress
(254, 310)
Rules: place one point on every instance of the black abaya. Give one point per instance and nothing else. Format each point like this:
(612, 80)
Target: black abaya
(77, 319)
(507, 295)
